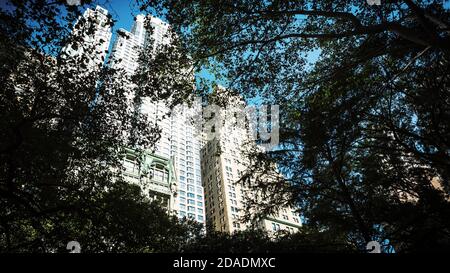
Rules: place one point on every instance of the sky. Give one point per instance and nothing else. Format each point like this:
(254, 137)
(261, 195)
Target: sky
(123, 11)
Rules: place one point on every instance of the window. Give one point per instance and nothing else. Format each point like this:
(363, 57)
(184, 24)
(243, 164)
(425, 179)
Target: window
(275, 227)
(130, 166)
(159, 173)
(191, 195)
(233, 209)
(200, 218)
(191, 202)
(190, 208)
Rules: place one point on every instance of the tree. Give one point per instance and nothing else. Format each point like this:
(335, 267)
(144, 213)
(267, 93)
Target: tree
(364, 127)
(62, 139)
(257, 241)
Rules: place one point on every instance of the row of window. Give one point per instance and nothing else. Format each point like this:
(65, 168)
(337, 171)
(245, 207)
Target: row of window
(191, 188)
(183, 200)
(183, 214)
(190, 195)
(276, 227)
(190, 209)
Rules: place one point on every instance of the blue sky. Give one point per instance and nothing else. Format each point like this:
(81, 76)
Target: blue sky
(124, 11)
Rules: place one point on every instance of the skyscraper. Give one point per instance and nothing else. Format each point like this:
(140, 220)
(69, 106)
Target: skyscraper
(94, 29)
(223, 164)
(179, 141)
(126, 47)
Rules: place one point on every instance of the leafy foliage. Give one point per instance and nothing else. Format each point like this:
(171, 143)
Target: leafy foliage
(364, 140)
(64, 118)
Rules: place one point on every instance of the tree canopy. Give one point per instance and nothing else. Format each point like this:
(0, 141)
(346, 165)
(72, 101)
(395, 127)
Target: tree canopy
(62, 138)
(364, 138)
(363, 92)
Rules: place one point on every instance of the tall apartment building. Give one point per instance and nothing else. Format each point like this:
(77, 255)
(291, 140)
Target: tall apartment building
(222, 166)
(128, 44)
(94, 46)
(179, 142)
(125, 50)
